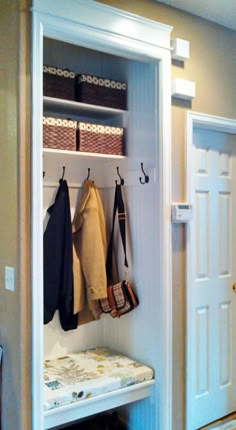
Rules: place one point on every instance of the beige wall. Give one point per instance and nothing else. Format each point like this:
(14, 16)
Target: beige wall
(212, 66)
(14, 230)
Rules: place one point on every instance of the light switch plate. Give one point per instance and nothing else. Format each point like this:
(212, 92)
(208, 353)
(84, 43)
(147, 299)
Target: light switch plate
(10, 278)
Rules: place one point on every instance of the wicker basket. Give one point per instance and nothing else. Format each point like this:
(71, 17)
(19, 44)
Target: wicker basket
(100, 139)
(59, 133)
(99, 91)
(58, 83)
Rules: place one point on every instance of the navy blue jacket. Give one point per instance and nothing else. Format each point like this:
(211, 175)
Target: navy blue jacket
(58, 267)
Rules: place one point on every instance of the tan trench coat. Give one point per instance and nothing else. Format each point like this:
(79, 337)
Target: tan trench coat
(89, 255)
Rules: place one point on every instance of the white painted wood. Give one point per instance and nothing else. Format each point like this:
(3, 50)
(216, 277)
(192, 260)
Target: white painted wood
(225, 318)
(180, 49)
(183, 89)
(164, 228)
(57, 343)
(83, 111)
(94, 405)
(37, 229)
(144, 46)
(120, 25)
(88, 155)
(210, 272)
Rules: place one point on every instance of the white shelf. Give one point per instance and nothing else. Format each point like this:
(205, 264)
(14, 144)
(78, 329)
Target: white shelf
(82, 110)
(96, 404)
(65, 153)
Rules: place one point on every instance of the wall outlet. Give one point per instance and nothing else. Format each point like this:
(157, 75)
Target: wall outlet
(10, 278)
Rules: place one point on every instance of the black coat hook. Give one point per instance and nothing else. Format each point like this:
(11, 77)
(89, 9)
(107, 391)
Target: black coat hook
(121, 179)
(88, 175)
(43, 174)
(63, 173)
(146, 177)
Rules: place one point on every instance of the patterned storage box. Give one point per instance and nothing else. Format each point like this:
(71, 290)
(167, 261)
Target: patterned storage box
(58, 83)
(59, 133)
(99, 91)
(100, 138)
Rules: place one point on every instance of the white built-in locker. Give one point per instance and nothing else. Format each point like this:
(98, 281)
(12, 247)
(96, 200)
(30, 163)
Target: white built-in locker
(91, 38)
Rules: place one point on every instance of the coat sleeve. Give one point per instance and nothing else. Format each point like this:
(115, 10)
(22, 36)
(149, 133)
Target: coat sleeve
(89, 223)
(92, 255)
(52, 258)
(68, 320)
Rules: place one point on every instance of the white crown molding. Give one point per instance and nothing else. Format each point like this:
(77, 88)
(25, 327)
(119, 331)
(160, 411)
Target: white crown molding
(93, 15)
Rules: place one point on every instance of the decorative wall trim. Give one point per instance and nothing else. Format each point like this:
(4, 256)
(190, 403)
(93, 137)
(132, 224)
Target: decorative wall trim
(180, 49)
(183, 89)
(89, 13)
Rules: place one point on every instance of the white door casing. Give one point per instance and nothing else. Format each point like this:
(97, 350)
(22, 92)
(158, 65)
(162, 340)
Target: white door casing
(210, 269)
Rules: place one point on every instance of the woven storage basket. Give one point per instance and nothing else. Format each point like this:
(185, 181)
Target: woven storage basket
(99, 91)
(59, 133)
(100, 139)
(58, 83)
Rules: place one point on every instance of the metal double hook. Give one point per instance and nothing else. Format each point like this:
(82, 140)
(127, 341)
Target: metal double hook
(88, 175)
(121, 179)
(63, 172)
(146, 177)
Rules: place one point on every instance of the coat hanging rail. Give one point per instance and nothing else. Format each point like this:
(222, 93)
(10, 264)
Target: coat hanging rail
(131, 179)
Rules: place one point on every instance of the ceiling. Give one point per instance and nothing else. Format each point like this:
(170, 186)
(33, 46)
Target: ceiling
(220, 11)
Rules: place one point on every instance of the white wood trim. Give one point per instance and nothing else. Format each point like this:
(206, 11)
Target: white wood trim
(118, 23)
(211, 122)
(99, 39)
(215, 123)
(96, 404)
(37, 229)
(139, 44)
(165, 245)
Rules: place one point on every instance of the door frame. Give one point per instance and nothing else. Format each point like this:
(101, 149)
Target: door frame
(148, 41)
(211, 123)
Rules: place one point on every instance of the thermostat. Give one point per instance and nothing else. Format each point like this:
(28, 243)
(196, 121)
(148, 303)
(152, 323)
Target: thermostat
(181, 212)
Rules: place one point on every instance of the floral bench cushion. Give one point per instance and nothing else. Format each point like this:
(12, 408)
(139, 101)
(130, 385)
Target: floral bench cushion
(89, 373)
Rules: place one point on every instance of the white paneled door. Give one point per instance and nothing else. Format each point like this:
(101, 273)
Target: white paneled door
(211, 275)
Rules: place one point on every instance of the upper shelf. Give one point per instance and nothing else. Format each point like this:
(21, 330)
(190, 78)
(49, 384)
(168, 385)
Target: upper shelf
(83, 110)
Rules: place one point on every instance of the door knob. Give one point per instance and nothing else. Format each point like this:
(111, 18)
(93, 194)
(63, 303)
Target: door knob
(234, 287)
